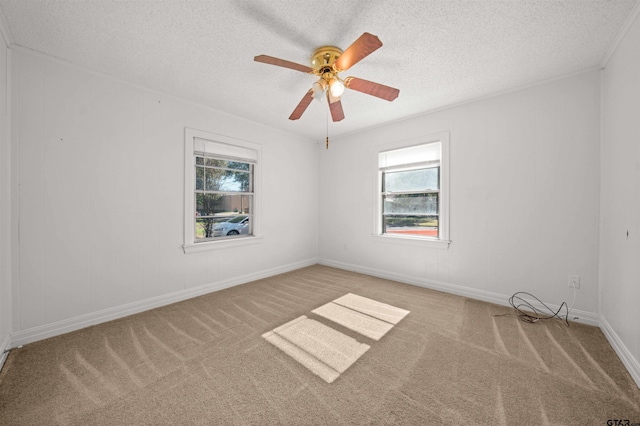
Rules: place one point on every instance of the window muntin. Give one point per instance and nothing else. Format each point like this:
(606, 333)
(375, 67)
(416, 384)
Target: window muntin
(410, 191)
(223, 197)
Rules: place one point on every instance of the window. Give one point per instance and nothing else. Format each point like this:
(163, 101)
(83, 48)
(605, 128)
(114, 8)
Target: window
(220, 191)
(223, 197)
(413, 190)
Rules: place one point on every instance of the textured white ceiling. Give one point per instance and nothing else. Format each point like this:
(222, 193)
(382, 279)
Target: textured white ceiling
(437, 53)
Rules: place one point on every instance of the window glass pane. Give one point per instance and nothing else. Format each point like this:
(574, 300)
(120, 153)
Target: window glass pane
(410, 204)
(236, 181)
(424, 226)
(227, 180)
(212, 179)
(220, 215)
(227, 164)
(233, 226)
(411, 180)
(199, 178)
(199, 161)
(235, 165)
(204, 227)
(238, 166)
(206, 204)
(213, 162)
(222, 205)
(222, 226)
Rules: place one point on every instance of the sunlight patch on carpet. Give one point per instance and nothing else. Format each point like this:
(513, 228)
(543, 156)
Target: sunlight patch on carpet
(316, 366)
(327, 352)
(321, 349)
(354, 320)
(335, 349)
(371, 307)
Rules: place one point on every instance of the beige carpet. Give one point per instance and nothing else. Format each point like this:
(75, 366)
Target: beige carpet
(204, 361)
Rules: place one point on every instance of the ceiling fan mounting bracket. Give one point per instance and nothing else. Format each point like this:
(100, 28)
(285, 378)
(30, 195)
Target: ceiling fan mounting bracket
(323, 58)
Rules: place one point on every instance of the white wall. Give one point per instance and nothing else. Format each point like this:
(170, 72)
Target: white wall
(524, 171)
(5, 202)
(620, 211)
(100, 193)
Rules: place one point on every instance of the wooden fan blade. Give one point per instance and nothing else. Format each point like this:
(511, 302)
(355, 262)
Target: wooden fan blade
(360, 49)
(370, 88)
(282, 63)
(336, 108)
(332, 98)
(302, 106)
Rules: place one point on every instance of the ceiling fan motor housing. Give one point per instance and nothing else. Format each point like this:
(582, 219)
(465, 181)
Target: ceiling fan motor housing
(323, 59)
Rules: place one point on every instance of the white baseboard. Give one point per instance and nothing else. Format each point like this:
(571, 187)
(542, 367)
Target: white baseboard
(583, 317)
(5, 346)
(65, 326)
(627, 358)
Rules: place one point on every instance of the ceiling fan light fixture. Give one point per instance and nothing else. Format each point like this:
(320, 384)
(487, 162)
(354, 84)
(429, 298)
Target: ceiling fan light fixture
(332, 99)
(319, 87)
(336, 87)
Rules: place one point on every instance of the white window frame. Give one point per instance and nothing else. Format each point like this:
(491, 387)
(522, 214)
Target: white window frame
(193, 140)
(443, 241)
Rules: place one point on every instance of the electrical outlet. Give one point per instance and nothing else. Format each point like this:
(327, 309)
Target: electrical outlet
(574, 281)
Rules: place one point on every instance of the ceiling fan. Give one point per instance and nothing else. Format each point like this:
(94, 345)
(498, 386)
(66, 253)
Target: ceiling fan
(327, 62)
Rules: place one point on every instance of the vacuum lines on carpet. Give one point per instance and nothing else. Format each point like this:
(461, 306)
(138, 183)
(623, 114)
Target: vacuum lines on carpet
(327, 352)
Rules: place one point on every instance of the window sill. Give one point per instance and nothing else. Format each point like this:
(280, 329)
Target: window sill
(412, 241)
(223, 244)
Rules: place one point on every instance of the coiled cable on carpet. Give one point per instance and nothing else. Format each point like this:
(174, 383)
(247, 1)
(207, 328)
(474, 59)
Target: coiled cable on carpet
(528, 313)
(531, 314)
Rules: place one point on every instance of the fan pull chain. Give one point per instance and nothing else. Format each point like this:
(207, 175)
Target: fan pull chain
(327, 141)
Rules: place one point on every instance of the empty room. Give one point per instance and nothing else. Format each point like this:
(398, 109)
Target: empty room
(260, 212)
